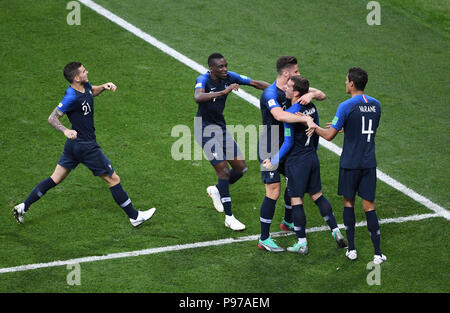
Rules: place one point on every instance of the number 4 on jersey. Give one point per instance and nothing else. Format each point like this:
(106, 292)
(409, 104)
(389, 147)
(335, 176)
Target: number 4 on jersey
(367, 131)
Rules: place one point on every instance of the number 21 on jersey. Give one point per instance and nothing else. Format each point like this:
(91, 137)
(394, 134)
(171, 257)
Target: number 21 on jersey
(86, 108)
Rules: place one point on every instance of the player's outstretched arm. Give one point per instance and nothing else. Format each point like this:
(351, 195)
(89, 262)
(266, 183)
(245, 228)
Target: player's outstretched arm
(53, 120)
(287, 117)
(259, 84)
(201, 96)
(327, 134)
(96, 90)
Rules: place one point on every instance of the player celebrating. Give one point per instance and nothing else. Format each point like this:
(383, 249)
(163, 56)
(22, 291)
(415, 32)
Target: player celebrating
(273, 102)
(359, 116)
(302, 166)
(211, 91)
(81, 145)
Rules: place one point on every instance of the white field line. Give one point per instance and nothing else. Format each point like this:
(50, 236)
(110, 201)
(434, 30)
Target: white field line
(253, 100)
(219, 242)
(439, 211)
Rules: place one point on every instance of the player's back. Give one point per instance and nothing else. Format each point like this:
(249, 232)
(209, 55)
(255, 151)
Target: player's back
(360, 127)
(271, 97)
(302, 143)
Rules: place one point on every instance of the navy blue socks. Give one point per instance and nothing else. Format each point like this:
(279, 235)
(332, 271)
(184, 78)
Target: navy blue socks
(224, 190)
(374, 229)
(299, 216)
(266, 215)
(38, 192)
(349, 223)
(122, 199)
(287, 207)
(326, 211)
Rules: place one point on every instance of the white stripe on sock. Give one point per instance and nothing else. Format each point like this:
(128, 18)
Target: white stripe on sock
(123, 205)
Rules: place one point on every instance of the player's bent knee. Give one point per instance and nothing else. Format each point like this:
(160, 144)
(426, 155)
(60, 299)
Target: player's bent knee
(296, 201)
(316, 196)
(59, 174)
(348, 202)
(368, 206)
(222, 170)
(115, 179)
(224, 174)
(239, 166)
(112, 180)
(273, 191)
(56, 179)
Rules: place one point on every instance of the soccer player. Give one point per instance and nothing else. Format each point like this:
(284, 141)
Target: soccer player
(302, 167)
(273, 102)
(81, 145)
(359, 116)
(211, 91)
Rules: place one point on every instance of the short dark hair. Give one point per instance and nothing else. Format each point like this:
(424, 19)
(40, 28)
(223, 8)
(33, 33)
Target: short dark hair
(214, 56)
(71, 70)
(301, 84)
(285, 61)
(359, 77)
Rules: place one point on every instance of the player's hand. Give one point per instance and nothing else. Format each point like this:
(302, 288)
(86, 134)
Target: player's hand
(110, 86)
(267, 165)
(311, 128)
(71, 134)
(309, 119)
(231, 88)
(306, 98)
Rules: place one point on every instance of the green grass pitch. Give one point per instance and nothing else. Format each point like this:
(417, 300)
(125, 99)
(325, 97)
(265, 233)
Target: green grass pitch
(407, 61)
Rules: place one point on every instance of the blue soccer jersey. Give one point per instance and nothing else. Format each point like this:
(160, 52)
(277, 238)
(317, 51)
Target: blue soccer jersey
(360, 116)
(79, 108)
(272, 97)
(296, 142)
(211, 111)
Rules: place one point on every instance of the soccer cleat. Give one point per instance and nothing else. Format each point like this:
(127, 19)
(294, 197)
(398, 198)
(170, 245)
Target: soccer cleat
(339, 238)
(378, 259)
(142, 217)
(232, 223)
(269, 245)
(213, 192)
(301, 248)
(287, 226)
(351, 254)
(19, 212)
